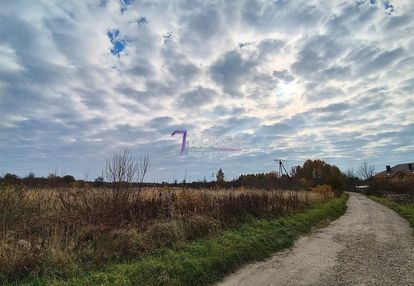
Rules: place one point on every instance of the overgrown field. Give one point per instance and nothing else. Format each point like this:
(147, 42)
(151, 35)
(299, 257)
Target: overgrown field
(402, 204)
(206, 260)
(59, 233)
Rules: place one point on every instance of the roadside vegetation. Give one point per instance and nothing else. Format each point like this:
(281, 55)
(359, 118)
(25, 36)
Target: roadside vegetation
(208, 259)
(59, 232)
(59, 229)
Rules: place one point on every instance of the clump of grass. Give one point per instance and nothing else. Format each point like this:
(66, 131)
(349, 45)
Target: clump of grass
(22, 258)
(61, 231)
(95, 247)
(166, 233)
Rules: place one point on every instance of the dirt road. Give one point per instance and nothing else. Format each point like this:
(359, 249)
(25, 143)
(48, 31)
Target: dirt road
(369, 245)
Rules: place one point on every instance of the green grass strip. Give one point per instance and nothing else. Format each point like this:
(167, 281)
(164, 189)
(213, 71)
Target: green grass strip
(207, 260)
(405, 211)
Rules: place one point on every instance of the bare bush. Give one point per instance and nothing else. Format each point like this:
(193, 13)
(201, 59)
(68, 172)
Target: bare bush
(366, 171)
(143, 166)
(122, 170)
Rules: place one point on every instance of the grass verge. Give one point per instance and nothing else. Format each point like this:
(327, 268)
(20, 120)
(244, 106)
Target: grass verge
(207, 260)
(406, 211)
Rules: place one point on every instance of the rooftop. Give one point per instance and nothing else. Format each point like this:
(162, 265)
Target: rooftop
(406, 168)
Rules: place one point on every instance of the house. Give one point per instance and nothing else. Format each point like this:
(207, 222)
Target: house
(398, 174)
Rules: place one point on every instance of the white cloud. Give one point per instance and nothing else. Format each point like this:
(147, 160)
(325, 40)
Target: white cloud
(300, 79)
(9, 60)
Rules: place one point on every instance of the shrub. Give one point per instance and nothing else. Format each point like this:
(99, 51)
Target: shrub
(324, 190)
(128, 242)
(16, 261)
(19, 258)
(382, 186)
(164, 234)
(17, 211)
(199, 226)
(101, 246)
(57, 261)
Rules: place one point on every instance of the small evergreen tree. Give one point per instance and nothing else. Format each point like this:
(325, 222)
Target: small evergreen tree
(220, 176)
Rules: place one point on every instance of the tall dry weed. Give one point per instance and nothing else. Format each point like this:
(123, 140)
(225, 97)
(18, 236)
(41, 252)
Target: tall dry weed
(58, 231)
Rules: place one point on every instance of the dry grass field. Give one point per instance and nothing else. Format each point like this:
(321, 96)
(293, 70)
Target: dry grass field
(57, 232)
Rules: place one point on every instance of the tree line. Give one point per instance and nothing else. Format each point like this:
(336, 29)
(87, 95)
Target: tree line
(122, 169)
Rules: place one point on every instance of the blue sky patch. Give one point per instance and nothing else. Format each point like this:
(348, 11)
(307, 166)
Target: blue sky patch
(385, 3)
(113, 34)
(118, 44)
(388, 6)
(142, 21)
(124, 4)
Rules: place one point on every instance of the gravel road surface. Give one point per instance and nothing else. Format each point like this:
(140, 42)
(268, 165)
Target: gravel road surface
(369, 245)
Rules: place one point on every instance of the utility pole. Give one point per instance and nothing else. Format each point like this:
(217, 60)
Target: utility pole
(282, 167)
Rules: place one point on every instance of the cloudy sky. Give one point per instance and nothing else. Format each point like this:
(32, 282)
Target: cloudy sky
(80, 80)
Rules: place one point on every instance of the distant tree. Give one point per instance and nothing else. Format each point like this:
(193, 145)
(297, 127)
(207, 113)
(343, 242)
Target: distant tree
(351, 179)
(312, 170)
(53, 179)
(99, 181)
(318, 172)
(68, 179)
(293, 171)
(10, 179)
(31, 175)
(366, 171)
(30, 179)
(143, 166)
(220, 176)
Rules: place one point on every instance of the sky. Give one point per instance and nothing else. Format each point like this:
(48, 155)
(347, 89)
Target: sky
(259, 80)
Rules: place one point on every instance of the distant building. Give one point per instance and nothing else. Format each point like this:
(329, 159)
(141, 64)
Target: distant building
(398, 174)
